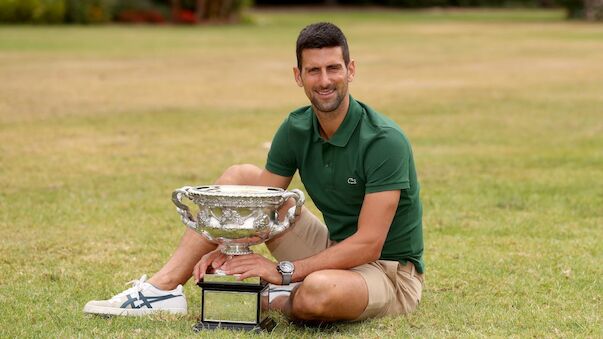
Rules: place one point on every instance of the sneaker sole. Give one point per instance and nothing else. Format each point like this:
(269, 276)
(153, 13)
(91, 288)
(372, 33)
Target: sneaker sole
(129, 311)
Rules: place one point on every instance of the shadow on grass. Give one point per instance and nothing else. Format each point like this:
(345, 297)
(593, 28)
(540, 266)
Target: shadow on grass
(319, 328)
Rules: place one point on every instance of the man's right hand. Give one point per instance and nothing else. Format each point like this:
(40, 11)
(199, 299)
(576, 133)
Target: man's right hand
(212, 260)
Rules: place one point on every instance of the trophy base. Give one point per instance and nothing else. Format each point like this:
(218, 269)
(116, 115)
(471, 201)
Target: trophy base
(230, 303)
(267, 325)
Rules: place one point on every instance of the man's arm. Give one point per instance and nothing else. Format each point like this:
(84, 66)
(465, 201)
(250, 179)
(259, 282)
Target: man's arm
(273, 180)
(364, 246)
(376, 216)
(248, 174)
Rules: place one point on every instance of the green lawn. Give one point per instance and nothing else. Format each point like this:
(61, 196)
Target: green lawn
(504, 109)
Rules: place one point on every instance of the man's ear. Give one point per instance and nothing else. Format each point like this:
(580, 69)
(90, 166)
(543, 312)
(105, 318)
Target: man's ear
(351, 70)
(297, 75)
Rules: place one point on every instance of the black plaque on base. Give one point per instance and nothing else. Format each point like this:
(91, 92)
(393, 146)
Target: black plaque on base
(227, 303)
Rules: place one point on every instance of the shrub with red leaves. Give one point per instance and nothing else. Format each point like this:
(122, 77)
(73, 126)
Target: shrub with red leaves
(186, 16)
(140, 16)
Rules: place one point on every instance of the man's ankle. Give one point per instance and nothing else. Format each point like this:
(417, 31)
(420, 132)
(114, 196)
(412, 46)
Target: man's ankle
(163, 283)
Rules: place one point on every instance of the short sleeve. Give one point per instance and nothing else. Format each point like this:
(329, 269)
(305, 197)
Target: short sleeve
(281, 159)
(387, 162)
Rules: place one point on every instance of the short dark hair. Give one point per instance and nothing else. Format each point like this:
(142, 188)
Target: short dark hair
(321, 35)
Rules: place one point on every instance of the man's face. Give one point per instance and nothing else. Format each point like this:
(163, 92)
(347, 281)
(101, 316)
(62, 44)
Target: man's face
(324, 77)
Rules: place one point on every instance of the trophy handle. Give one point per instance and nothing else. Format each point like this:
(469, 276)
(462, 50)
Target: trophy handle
(292, 213)
(183, 210)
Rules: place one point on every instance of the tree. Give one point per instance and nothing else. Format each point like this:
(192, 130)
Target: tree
(593, 10)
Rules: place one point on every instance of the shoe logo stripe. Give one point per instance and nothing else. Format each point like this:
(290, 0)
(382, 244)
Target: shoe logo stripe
(145, 301)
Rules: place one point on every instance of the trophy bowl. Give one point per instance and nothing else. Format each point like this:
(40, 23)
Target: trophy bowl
(237, 216)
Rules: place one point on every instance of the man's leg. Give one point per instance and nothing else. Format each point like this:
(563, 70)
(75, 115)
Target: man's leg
(392, 288)
(163, 292)
(179, 268)
(371, 290)
(193, 246)
(323, 295)
(327, 295)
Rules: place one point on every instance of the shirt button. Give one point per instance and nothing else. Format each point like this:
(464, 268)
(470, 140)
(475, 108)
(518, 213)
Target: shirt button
(327, 165)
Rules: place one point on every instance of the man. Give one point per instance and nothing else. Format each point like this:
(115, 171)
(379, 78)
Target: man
(357, 166)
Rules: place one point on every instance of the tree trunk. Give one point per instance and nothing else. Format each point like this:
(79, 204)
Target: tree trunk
(200, 10)
(226, 10)
(175, 10)
(593, 10)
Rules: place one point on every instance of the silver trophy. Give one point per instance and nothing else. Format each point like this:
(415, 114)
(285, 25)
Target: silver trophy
(236, 217)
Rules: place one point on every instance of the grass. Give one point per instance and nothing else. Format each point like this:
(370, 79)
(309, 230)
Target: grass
(504, 109)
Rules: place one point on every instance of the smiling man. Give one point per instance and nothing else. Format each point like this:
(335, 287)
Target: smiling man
(366, 260)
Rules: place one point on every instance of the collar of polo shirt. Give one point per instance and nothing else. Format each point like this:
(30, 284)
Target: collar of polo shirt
(345, 130)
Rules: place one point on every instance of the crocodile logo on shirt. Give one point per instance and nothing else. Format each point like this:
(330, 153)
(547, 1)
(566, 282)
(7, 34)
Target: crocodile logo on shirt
(352, 181)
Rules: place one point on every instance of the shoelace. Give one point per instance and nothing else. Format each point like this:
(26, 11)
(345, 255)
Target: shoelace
(137, 286)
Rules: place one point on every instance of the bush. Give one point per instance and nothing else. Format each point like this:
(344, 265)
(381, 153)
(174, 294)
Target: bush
(138, 11)
(55, 11)
(32, 11)
(101, 11)
(7, 10)
(90, 11)
(591, 10)
(421, 3)
(575, 8)
(211, 10)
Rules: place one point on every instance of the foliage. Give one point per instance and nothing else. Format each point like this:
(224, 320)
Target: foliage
(142, 11)
(212, 10)
(575, 8)
(591, 10)
(594, 10)
(90, 11)
(100, 11)
(32, 11)
(56, 11)
(426, 3)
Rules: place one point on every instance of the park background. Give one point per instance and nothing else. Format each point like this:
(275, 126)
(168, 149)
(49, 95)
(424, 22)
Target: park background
(504, 109)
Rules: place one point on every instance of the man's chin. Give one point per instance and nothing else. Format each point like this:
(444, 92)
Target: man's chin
(326, 107)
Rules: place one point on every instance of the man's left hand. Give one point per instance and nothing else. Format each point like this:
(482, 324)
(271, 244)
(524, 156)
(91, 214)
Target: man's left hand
(253, 265)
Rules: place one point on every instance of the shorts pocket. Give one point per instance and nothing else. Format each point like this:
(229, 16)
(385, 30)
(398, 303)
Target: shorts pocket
(390, 268)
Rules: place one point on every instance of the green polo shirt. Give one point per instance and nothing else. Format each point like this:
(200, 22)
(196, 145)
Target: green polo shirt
(368, 153)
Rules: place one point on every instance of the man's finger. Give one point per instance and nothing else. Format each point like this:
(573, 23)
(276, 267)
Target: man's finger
(201, 266)
(246, 275)
(220, 260)
(241, 269)
(243, 258)
(196, 273)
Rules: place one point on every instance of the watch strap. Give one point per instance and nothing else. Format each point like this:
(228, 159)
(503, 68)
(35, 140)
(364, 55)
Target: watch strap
(286, 278)
(286, 269)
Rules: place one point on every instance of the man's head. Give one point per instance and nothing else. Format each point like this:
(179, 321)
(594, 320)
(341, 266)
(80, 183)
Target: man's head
(324, 67)
(321, 35)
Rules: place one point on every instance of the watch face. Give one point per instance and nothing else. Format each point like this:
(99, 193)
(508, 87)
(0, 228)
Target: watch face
(286, 267)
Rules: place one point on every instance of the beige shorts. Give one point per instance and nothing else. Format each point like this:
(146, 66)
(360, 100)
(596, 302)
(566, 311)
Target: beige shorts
(393, 288)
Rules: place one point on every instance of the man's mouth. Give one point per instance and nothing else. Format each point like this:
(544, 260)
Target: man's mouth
(325, 92)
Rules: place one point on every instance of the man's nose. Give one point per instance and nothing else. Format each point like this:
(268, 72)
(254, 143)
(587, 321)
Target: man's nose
(324, 80)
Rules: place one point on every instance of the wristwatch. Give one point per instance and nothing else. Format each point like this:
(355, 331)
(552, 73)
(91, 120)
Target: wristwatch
(286, 269)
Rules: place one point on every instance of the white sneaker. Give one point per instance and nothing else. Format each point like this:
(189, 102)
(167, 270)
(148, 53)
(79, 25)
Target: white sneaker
(140, 299)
